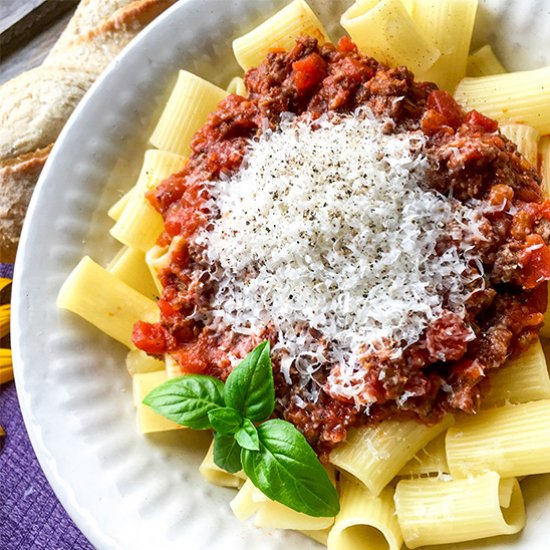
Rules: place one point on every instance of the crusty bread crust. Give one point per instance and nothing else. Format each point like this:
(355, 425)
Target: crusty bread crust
(35, 106)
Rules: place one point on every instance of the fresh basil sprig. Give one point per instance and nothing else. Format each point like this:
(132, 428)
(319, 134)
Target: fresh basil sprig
(274, 455)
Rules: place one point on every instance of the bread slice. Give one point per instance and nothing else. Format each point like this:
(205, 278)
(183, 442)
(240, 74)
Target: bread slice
(35, 106)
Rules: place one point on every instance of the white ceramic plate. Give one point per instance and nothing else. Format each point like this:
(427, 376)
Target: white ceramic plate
(122, 489)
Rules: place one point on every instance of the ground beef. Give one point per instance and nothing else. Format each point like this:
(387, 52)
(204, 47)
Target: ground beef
(470, 159)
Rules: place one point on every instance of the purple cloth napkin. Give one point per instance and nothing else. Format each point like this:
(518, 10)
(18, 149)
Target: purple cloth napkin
(31, 517)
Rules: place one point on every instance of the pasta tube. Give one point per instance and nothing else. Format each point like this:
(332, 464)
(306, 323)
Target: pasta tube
(513, 441)
(384, 30)
(129, 266)
(237, 86)
(525, 137)
(484, 62)
(521, 97)
(188, 106)
(217, 476)
(448, 24)
(522, 379)
(148, 420)
(113, 306)
(544, 152)
(432, 459)
(365, 521)
(375, 454)
(278, 32)
(431, 511)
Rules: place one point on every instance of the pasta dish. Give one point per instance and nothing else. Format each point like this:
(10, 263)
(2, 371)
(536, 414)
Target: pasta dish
(338, 254)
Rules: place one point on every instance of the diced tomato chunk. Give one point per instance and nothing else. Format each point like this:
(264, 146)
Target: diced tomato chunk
(152, 338)
(535, 261)
(475, 119)
(442, 102)
(544, 210)
(309, 71)
(345, 44)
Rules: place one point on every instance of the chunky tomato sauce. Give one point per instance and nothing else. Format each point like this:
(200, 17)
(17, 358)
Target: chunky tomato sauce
(446, 369)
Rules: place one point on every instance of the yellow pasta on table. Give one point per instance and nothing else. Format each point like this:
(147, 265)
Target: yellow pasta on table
(375, 454)
(188, 106)
(512, 441)
(433, 511)
(113, 306)
(365, 521)
(484, 62)
(384, 30)
(138, 362)
(278, 32)
(522, 97)
(448, 24)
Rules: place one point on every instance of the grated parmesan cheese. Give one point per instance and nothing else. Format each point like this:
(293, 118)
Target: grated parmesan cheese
(327, 226)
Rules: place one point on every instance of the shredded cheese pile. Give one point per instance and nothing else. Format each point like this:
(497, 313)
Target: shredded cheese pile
(327, 226)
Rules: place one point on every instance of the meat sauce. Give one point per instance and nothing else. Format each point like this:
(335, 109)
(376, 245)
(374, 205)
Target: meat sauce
(446, 369)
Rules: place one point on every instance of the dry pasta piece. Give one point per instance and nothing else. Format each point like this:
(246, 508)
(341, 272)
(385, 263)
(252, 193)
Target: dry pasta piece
(513, 441)
(375, 454)
(278, 32)
(217, 476)
(433, 511)
(448, 24)
(365, 521)
(237, 86)
(129, 266)
(113, 307)
(521, 97)
(190, 102)
(484, 62)
(384, 30)
(432, 459)
(148, 420)
(522, 379)
(525, 137)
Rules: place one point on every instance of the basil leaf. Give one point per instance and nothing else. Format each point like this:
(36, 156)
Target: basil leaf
(225, 421)
(286, 469)
(249, 388)
(247, 436)
(187, 400)
(227, 453)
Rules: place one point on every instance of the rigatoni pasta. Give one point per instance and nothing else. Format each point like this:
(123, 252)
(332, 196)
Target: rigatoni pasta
(374, 455)
(524, 378)
(190, 102)
(433, 511)
(365, 521)
(484, 62)
(525, 137)
(279, 31)
(384, 30)
(448, 24)
(512, 441)
(521, 97)
(112, 307)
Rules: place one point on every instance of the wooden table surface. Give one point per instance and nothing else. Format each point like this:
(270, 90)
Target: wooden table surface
(28, 30)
